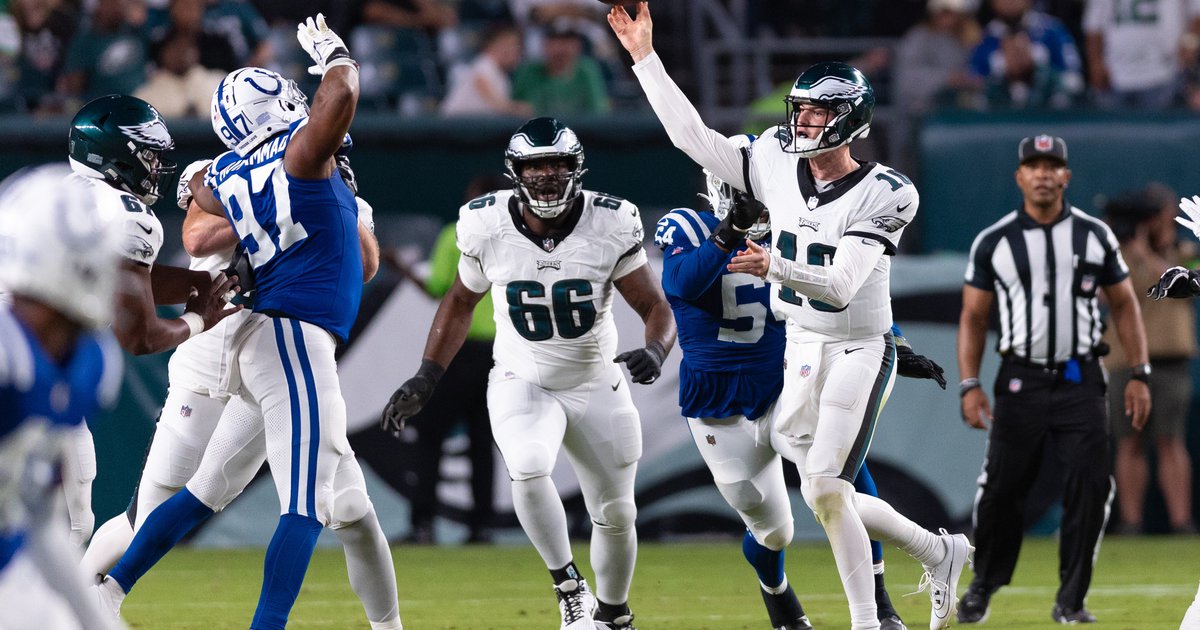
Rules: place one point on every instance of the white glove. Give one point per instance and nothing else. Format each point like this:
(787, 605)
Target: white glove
(183, 194)
(366, 214)
(1191, 208)
(323, 45)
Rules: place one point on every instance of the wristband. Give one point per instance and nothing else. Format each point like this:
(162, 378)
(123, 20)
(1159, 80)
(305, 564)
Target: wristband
(966, 385)
(195, 323)
(341, 61)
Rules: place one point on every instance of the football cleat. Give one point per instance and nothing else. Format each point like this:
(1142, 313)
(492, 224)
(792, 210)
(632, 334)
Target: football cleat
(623, 622)
(974, 606)
(1061, 615)
(889, 619)
(891, 622)
(576, 604)
(942, 579)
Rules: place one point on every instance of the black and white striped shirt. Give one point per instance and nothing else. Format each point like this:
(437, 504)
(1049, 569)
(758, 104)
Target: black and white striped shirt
(1045, 278)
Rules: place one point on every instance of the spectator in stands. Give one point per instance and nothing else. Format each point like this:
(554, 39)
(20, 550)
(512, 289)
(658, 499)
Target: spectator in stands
(108, 55)
(1144, 223)
(565, 82)
(46, 28)
(430, 15)
(1027, 59)
(585, 17)
(483, 86)
(230, 33)
(932, 58)
(179, 86)
(1135, 51)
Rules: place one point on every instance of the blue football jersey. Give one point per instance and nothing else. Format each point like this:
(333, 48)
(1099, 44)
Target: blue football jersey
(36, 389)
(732, 344)
(301, 235)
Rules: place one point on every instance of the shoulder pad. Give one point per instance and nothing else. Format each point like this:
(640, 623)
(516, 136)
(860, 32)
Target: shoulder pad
(684, 228)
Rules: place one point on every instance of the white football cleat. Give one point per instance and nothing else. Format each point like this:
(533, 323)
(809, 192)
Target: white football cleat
(942, 579)
(577, 605)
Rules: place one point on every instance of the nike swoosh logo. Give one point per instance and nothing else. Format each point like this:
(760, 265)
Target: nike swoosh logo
(616, 386)
(904, 207)
(145, 229)
(849, 350)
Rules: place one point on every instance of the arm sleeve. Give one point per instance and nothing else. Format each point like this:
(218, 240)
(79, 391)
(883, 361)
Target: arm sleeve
(691, 262)
(687, 130)
(837, 283)
(443, 262)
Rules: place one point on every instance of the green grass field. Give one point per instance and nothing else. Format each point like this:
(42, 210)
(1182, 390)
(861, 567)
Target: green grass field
(1140, 584)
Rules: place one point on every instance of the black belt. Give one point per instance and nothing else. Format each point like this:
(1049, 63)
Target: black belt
(1047, 367)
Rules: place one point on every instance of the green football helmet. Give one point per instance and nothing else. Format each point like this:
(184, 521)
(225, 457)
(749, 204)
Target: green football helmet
(121, 139)
(545, 139)
(841, 89)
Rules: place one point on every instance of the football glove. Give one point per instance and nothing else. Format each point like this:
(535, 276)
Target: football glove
(730, 233)
(1176, 282)
(183, 193)
(645, 364)
(323, 45)
(407, 401)
(913, 365)
(1190, 208)
(240, 266)
(366, 214)
(343, 167)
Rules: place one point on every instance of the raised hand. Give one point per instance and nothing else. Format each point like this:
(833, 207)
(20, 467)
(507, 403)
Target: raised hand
(1190, 208)
(635, 35)
(323, 45)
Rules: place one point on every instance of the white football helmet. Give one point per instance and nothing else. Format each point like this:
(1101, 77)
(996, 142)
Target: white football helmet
(720, 195)
(58, 245)
(253, 104)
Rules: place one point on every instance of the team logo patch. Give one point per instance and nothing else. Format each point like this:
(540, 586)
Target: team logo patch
(138, 247)
(1014, 385)
(805, 370)
(185, 411)
(552, 264)
(889, 224)
(151, 132)
(1043, 143)
(711, 439)
(805, 223)
(676, 250)
(548, 244)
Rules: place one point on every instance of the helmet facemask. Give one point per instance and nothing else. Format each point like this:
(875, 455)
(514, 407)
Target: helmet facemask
(154, 166)
(812, 140)
(550, 192)
(847, 97)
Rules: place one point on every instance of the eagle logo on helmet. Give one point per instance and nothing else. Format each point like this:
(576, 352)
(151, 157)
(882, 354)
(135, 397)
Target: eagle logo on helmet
(833, 87)
(152, 132)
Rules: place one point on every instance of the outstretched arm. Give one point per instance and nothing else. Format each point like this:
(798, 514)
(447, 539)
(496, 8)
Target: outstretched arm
(687, 130)
(642, 292)
(309, 154)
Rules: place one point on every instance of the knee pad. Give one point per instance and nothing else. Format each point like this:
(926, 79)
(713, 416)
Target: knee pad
(617, 514)
(533, 461)
(776, 538)
(741, 495)
(826, 495)
(349, 506)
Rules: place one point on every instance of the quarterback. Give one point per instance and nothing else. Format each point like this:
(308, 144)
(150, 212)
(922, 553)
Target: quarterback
(551, 252)
(834, 221)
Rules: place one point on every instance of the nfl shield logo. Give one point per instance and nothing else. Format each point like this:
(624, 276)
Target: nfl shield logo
(805, 370)
(1043, 143)
(712, 440)
(548, 244)
(1014, 385)
(185, 411)
(1087, 283)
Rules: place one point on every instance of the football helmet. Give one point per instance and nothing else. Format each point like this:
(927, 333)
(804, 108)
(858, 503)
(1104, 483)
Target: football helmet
(59, 245)
(841, 89)
(253, 104)
(719, 195)
(545, 139)
(121, 139)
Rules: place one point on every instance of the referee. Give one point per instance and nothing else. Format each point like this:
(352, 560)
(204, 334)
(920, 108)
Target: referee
(1043, 264)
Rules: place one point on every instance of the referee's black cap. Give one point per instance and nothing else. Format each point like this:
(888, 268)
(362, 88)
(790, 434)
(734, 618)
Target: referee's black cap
(1042, 146)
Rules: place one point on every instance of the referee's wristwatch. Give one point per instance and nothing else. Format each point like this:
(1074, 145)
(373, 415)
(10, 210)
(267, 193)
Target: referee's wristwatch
(1140, 372)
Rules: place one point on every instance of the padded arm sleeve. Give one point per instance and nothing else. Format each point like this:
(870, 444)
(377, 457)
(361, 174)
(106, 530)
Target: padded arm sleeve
(835, 284)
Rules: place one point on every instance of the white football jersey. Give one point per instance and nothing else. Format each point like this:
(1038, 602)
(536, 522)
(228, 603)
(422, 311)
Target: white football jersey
(875, 202)
(142, 232)
(552, 299)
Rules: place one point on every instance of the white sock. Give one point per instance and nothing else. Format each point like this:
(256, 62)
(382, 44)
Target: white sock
(107, 546)
(877, 569)
(614, 552)
(372, 573)
(541, 513)
(113, 590)
(850, 545)
(886, 524)
(775, 590)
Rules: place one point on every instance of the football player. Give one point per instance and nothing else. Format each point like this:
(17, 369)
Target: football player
(840, 354)
(551, 252)
(730, 376)
(116, 147)
(58, 363)
(297, 218)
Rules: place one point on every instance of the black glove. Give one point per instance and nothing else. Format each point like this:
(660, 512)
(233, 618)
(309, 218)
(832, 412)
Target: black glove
(1176, 282)
(645, 364)
(913, 365)
(347, 173)
(240, 266)
(407, 401)
(730, 233)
